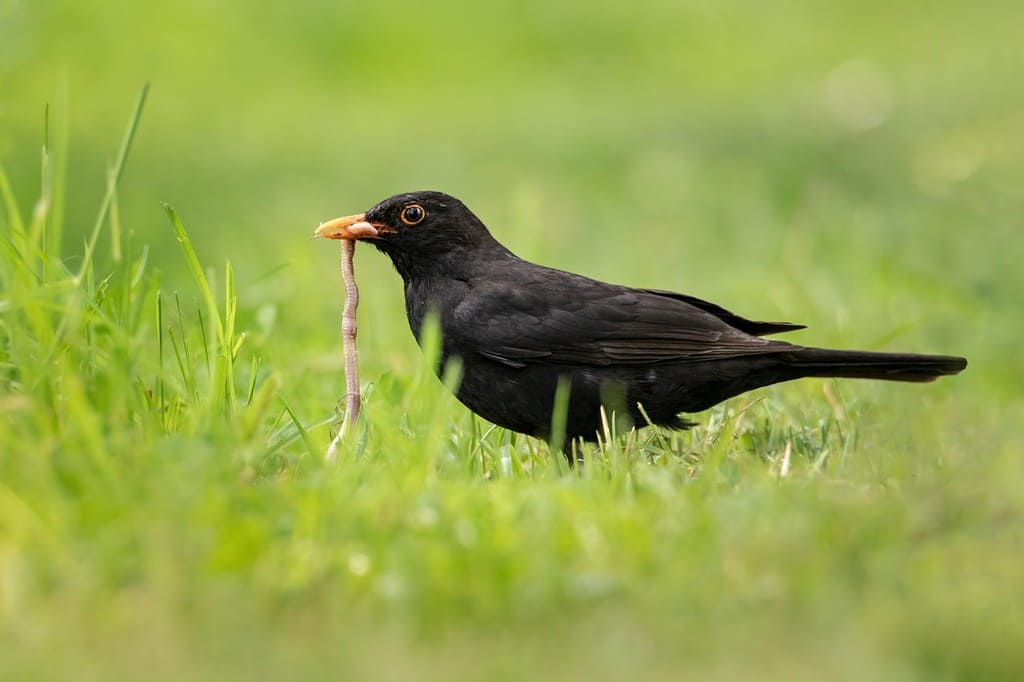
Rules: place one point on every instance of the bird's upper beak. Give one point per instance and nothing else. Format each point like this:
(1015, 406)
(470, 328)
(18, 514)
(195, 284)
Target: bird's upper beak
(348, 227)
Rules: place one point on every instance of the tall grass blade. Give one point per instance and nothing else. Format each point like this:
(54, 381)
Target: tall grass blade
(112, 180)
(307, 441)
(196, 269)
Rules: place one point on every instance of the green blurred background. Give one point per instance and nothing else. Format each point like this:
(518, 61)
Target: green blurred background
(790, 160)
(785, 159)
(854, 166)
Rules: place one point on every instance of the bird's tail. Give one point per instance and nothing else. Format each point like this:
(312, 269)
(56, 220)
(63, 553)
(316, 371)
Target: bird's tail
(855, 364)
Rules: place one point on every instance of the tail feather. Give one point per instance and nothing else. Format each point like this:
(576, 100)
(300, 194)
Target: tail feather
(853, 364)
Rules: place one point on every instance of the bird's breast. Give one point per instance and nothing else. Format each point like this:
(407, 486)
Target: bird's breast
(432, 298)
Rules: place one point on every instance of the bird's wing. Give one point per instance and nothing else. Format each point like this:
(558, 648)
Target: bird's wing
(551, 317)
(755, 327)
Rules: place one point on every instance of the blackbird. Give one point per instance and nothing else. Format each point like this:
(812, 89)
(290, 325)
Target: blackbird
(520, 329)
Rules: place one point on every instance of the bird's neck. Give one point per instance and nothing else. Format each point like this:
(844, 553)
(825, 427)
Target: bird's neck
(438, 285)
(461, 264)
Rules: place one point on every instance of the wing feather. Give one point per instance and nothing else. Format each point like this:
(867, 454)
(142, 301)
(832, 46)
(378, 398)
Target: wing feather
(551, 317)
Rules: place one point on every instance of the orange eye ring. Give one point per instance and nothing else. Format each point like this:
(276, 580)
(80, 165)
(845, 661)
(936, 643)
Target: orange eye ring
(413, 214)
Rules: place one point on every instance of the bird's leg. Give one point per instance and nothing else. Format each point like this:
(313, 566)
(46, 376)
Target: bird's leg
(573, 451)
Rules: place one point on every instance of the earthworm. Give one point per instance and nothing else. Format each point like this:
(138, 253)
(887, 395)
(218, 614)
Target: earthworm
(348, 342)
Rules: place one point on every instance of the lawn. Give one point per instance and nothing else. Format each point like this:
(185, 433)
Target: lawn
(171, 374)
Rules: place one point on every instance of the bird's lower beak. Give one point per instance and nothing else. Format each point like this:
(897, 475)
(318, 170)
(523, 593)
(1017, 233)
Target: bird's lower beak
(347, 227)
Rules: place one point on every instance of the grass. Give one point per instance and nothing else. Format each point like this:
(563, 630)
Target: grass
(167, 388)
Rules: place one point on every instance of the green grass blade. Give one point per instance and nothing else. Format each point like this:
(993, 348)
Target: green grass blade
(310, 446)
(11, 206)
(112, 180)
(58, 170)
(227, 349)
(161, 400)
(194, 266)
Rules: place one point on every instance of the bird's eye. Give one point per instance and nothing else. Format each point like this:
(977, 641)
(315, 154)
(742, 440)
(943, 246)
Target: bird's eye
(413, 214)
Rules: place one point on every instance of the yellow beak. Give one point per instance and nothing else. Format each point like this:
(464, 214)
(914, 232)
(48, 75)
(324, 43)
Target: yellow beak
(347, 227)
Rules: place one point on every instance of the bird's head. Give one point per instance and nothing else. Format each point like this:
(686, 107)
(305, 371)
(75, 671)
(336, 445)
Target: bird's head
(417, 230)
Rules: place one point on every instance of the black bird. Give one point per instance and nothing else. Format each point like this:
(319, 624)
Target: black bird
(519, 327)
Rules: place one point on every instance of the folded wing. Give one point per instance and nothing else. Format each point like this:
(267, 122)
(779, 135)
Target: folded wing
(578, 321)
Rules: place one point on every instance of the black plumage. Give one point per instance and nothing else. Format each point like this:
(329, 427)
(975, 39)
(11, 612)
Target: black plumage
(519, 327)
